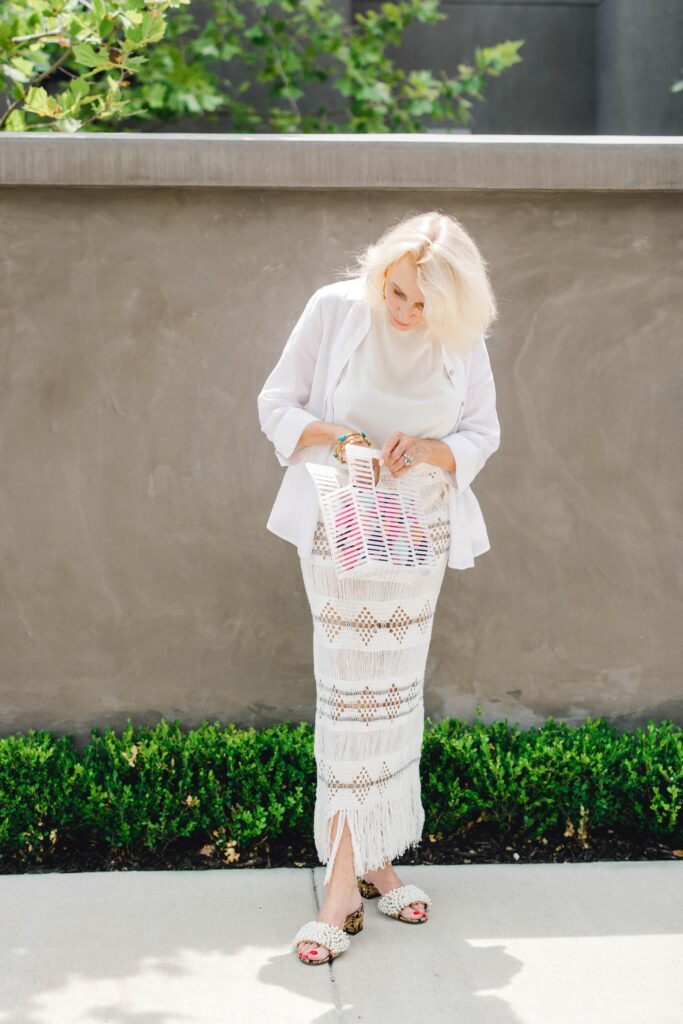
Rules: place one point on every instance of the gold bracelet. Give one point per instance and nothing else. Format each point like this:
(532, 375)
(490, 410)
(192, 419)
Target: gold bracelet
(344, 439)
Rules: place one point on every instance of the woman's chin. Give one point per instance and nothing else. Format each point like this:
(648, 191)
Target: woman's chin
(398, 324)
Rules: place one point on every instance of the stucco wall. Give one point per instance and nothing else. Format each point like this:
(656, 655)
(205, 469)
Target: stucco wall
(137, 325)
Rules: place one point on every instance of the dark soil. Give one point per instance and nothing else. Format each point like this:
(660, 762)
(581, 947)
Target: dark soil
(481, 844)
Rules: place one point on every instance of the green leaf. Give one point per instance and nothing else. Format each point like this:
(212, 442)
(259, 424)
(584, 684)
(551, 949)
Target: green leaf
(16, 121)
(19, 69)
(38, 101)
(70, 124)
(85, 54)
(79, 88)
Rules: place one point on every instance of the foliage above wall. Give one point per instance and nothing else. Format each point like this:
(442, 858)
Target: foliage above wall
(138, 65)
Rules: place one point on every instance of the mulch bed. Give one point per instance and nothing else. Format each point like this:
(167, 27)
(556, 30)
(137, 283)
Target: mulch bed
(481, 844)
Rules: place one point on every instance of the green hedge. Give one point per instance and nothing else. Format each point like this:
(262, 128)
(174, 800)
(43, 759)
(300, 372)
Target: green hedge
(147, 787)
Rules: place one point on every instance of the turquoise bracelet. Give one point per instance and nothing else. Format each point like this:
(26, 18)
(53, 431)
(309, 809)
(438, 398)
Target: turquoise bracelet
(342, 437)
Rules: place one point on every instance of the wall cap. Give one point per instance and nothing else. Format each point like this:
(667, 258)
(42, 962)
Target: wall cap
(432, 160)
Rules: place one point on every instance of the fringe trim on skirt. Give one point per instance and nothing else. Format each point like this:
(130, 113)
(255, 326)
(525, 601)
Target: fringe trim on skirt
(370, 644)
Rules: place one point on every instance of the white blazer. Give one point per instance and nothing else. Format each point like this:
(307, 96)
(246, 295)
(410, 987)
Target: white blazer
(299, 391)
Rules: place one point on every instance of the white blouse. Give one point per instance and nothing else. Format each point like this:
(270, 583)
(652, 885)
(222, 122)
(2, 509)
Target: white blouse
(395, 380)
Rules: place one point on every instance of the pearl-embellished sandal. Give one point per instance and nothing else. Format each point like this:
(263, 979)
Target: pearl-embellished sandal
(335, 939)
(396, 900)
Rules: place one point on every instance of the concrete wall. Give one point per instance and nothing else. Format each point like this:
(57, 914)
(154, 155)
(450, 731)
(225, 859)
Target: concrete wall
(640, 55)
(148, 286)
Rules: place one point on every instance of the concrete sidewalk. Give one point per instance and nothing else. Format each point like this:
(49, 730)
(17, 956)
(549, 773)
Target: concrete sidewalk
(594, 943)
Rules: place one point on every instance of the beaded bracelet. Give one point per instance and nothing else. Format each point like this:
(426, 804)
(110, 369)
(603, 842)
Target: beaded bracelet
(339, 447)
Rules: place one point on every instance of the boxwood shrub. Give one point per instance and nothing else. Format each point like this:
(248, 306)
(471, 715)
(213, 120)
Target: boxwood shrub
(146, 787)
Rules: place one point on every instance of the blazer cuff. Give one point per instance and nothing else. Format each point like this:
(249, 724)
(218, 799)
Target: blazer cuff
(287, 433)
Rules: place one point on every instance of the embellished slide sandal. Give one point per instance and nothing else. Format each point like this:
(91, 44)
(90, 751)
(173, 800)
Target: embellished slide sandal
(336, 940)
(396, 900)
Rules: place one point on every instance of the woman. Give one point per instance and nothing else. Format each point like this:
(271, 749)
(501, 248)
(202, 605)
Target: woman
(393, 357)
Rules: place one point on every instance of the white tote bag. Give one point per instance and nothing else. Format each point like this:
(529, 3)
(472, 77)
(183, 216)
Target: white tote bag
(373, 529)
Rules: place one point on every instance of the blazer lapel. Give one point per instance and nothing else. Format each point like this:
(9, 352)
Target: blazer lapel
(354, 328)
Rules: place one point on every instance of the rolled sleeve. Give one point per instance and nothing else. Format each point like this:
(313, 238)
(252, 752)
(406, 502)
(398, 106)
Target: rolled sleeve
(287, 433)
(478, 433)
(281, 401)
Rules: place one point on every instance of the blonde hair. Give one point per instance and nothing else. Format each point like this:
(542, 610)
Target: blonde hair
(459, 302)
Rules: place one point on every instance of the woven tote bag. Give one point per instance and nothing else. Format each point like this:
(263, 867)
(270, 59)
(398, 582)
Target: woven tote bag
(374, 530)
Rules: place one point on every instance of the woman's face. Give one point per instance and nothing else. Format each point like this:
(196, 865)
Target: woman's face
(404, 300)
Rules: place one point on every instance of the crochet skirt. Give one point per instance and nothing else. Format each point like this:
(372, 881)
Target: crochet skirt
(370, 645)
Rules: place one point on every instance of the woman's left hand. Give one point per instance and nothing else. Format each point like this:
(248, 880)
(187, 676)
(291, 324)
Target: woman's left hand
(398, 445)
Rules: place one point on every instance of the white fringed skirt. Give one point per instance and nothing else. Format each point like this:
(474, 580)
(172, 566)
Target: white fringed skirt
(370, 645)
